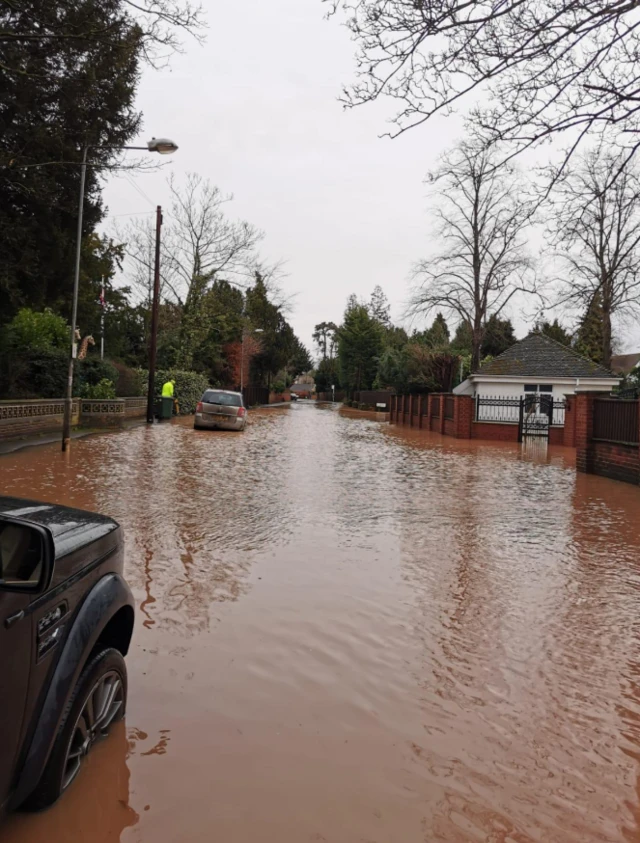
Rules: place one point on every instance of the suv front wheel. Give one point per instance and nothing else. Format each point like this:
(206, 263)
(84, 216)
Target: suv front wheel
(99, 699)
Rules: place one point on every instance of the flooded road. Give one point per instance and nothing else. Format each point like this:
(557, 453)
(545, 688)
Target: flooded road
(352, 633)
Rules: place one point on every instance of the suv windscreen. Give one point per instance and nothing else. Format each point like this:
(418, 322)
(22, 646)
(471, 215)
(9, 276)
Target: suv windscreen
(225, 398)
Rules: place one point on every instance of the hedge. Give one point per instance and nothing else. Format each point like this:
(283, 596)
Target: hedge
(189, 387)
(43, 374)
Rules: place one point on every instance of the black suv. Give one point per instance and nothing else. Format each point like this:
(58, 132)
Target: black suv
(66, 618)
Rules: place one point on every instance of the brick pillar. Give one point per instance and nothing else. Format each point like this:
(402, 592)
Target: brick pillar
(441, 398)
(584, 431)
(411, 410)
(569, 436)
(463, 416)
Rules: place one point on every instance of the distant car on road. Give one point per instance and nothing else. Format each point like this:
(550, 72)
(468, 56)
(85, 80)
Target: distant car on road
(220, 409)
(294, 396)
(66, 619)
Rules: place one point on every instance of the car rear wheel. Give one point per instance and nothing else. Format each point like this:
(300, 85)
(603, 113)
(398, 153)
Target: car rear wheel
(99, 699)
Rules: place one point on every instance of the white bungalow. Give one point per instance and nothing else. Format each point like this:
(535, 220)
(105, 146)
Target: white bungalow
(538, 365)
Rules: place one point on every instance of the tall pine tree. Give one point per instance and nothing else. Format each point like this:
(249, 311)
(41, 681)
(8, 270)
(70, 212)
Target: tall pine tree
(58, 95)
(589, 333)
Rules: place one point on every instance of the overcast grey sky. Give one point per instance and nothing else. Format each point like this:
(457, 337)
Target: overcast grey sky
(255, 110)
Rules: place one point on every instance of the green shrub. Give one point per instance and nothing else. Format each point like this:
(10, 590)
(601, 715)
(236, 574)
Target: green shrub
(103, 391)
(31, 330)
(42, 373)
(278, 387)
(90, 372)
(189, 387)
(35, 374)
(129, 382)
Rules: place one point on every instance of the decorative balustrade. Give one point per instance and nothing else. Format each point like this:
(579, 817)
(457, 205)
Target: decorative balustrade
(28, 417)
(34, 409)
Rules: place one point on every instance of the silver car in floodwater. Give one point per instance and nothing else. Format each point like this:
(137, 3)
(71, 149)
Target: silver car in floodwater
(220, 409)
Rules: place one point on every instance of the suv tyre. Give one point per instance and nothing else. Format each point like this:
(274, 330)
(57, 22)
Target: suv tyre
(98, 700)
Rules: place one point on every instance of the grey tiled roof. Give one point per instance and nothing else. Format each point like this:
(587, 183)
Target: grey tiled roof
(539, 356)
(624, 363)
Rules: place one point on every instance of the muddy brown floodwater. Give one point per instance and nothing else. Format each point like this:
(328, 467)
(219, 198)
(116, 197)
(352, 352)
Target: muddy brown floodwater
(356, 634)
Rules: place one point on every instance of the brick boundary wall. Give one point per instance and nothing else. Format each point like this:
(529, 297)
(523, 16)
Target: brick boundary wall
(19, 419)
(616, 460)
(494, 431)
(619, 462)
(417, 411)
(28, 418)
(570, 422)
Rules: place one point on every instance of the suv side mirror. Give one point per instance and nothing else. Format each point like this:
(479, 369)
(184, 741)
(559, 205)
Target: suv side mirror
(26, 556)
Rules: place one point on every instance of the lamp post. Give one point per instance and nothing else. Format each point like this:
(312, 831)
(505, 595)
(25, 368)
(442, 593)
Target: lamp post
(163, 146)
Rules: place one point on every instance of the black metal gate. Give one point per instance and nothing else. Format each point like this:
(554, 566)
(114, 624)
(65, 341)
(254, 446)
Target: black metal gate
(538, 412)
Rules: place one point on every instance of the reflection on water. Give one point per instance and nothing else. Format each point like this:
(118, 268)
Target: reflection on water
(352, 632)
(95, 809)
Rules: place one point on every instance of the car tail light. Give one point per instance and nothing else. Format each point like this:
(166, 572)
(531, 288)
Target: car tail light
(199, 407)
(241, 412)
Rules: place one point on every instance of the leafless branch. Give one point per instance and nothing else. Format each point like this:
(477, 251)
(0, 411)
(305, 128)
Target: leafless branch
(595, 228)
(483, 263)
(549, 67)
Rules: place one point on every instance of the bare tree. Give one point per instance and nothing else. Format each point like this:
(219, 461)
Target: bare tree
(548, 65)
(200, 244)
(596, 224)
(483, 262)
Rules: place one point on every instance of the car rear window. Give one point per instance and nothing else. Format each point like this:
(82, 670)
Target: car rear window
(227, 399)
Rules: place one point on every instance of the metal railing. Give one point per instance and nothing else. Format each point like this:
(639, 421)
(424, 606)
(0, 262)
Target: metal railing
(498, 409)
(449, 407)
(508, 409)
(435, 408)
(615, 420)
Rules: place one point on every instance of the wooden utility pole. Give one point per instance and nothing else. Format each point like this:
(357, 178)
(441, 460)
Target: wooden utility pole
(153, 341)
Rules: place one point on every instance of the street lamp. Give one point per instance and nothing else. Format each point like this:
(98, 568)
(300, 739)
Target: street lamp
(163, 146)
(244, 333)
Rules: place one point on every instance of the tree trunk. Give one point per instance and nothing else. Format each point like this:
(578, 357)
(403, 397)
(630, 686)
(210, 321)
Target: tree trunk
(606, 323)
(476, 347)
(606, 338)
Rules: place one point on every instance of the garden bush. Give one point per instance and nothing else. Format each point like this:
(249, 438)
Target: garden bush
(105, 390)
(90, 372)
(42, 373)
(129, 382)
(188, 389)
(31, 330)
(34, 374)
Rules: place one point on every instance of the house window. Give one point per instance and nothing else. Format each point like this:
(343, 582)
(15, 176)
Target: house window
(534, 387)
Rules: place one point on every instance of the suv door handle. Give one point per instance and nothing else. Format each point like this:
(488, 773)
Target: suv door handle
(13, 619)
